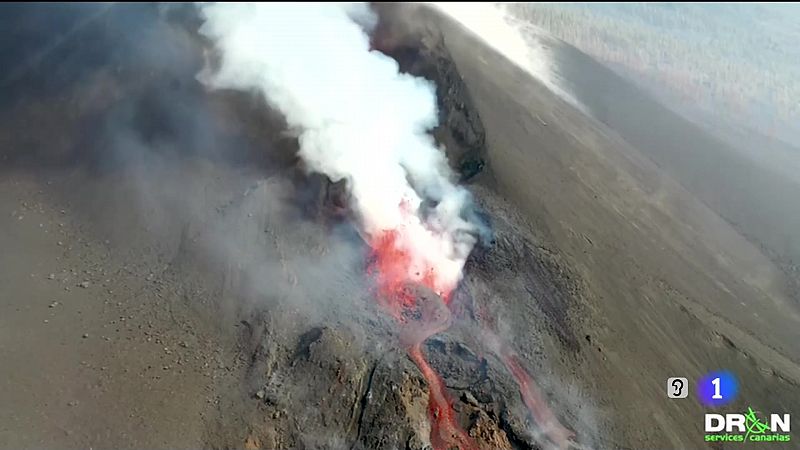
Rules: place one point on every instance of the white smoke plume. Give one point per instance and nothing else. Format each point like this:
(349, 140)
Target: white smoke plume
(518, 40)
(357, 117)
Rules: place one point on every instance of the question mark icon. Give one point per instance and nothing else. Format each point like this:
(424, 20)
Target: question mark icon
(677, 387)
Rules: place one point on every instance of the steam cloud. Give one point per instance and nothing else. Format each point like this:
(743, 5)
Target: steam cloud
(519, 41)
(357, 118)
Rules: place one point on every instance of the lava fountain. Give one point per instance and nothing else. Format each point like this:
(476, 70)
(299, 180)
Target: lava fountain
(421, 313)
(358, 118)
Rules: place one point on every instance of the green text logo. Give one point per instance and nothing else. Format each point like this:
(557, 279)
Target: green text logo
(747, 427)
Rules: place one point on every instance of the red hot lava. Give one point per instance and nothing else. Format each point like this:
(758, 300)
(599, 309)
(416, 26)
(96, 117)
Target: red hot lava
(536, 404)
(421, 314)
(528, 389)
(445, 431)
(390, 264)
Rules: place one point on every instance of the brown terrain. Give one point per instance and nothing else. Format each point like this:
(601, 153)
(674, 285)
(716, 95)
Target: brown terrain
(172, 279)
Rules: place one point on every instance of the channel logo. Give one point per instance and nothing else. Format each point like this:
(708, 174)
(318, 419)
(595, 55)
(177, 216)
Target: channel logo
(748, 427)
(717, 389)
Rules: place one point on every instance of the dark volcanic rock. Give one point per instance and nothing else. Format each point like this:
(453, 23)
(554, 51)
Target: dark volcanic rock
(461, 130)
(327, 375)
(395, 406)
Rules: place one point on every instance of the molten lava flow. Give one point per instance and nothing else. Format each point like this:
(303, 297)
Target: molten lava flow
(421, 314)
(536, 404)
(529, 391)
(445, 432)
(390, 264)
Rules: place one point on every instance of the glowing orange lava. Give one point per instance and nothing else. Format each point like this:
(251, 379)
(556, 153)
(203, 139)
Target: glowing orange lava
(529, 391)
(536, 404)
(420, 318)
(390, 264)
(445, 431)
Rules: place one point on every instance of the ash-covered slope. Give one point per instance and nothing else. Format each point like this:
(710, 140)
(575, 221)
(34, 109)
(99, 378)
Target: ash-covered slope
(605, 275)
(667, 286)
(234, 290)
(202, 288)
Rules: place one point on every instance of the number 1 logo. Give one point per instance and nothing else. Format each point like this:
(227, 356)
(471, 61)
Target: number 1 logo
(717, 388)
(717, 395)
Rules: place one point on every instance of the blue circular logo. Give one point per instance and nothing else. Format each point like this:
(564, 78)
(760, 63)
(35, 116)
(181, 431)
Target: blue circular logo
(717, 388)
